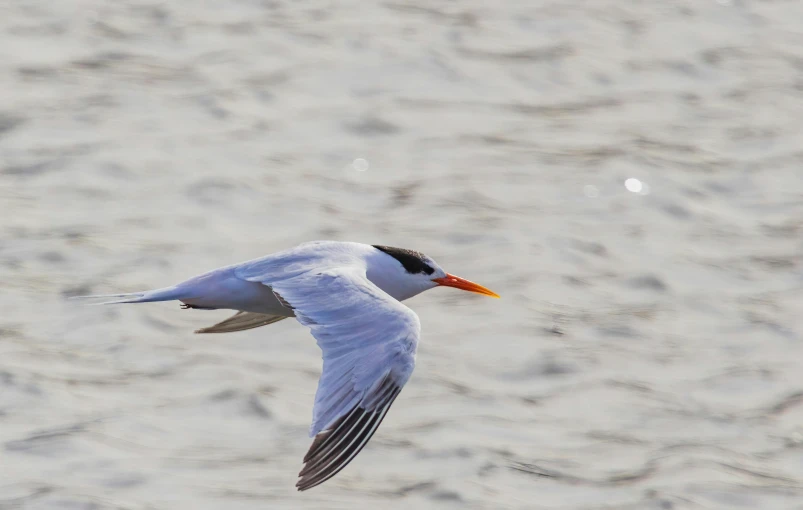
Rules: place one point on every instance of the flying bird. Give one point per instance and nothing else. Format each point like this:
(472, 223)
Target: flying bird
(349, 295)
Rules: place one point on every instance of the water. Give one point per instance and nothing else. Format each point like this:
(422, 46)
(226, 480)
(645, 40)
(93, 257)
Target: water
(626, 175)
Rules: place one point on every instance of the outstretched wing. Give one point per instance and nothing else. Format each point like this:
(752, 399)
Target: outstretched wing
(369, 342)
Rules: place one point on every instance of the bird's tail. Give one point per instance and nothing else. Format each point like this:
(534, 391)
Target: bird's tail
(148, 296)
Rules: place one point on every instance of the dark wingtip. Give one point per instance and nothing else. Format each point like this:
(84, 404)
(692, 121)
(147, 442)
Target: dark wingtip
(343, 442)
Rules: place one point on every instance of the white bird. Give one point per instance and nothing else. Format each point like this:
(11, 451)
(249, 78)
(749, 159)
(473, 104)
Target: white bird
(349, 295)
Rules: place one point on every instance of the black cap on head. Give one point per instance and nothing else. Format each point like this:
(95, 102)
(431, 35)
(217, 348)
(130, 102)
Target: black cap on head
(413, 261)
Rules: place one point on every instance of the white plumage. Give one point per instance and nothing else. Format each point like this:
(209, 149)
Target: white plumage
(349, 295)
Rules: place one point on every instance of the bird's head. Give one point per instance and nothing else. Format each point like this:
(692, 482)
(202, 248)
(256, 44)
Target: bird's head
(415, 272)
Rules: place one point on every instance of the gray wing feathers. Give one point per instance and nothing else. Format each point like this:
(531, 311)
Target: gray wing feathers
(364, 334)
(242, 321)
(369, 341)
(289, 263)
(334, 448)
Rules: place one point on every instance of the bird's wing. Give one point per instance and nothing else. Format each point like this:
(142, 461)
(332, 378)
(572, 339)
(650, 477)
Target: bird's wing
(369, 343)
(242, 321)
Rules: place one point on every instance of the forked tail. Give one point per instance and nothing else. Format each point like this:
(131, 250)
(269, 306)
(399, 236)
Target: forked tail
(148, 296)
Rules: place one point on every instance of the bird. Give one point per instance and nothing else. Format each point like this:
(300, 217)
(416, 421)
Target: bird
(349, 295)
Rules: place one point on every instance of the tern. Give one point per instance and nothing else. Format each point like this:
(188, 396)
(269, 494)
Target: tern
(349, 296)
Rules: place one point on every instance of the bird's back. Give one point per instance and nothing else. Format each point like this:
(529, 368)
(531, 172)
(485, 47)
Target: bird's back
(302, 258)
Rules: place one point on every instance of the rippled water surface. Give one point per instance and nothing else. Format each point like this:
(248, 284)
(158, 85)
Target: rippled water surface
(647, 350)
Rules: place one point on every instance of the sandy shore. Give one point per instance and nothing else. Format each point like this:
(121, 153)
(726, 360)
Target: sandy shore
(646, 353)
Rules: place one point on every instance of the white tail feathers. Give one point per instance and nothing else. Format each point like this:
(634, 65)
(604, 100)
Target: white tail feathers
(149, 296)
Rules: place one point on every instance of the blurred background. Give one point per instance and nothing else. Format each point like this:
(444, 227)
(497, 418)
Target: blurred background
(627, 175)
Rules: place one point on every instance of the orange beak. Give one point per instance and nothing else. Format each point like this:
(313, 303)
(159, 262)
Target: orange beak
(451, 280)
